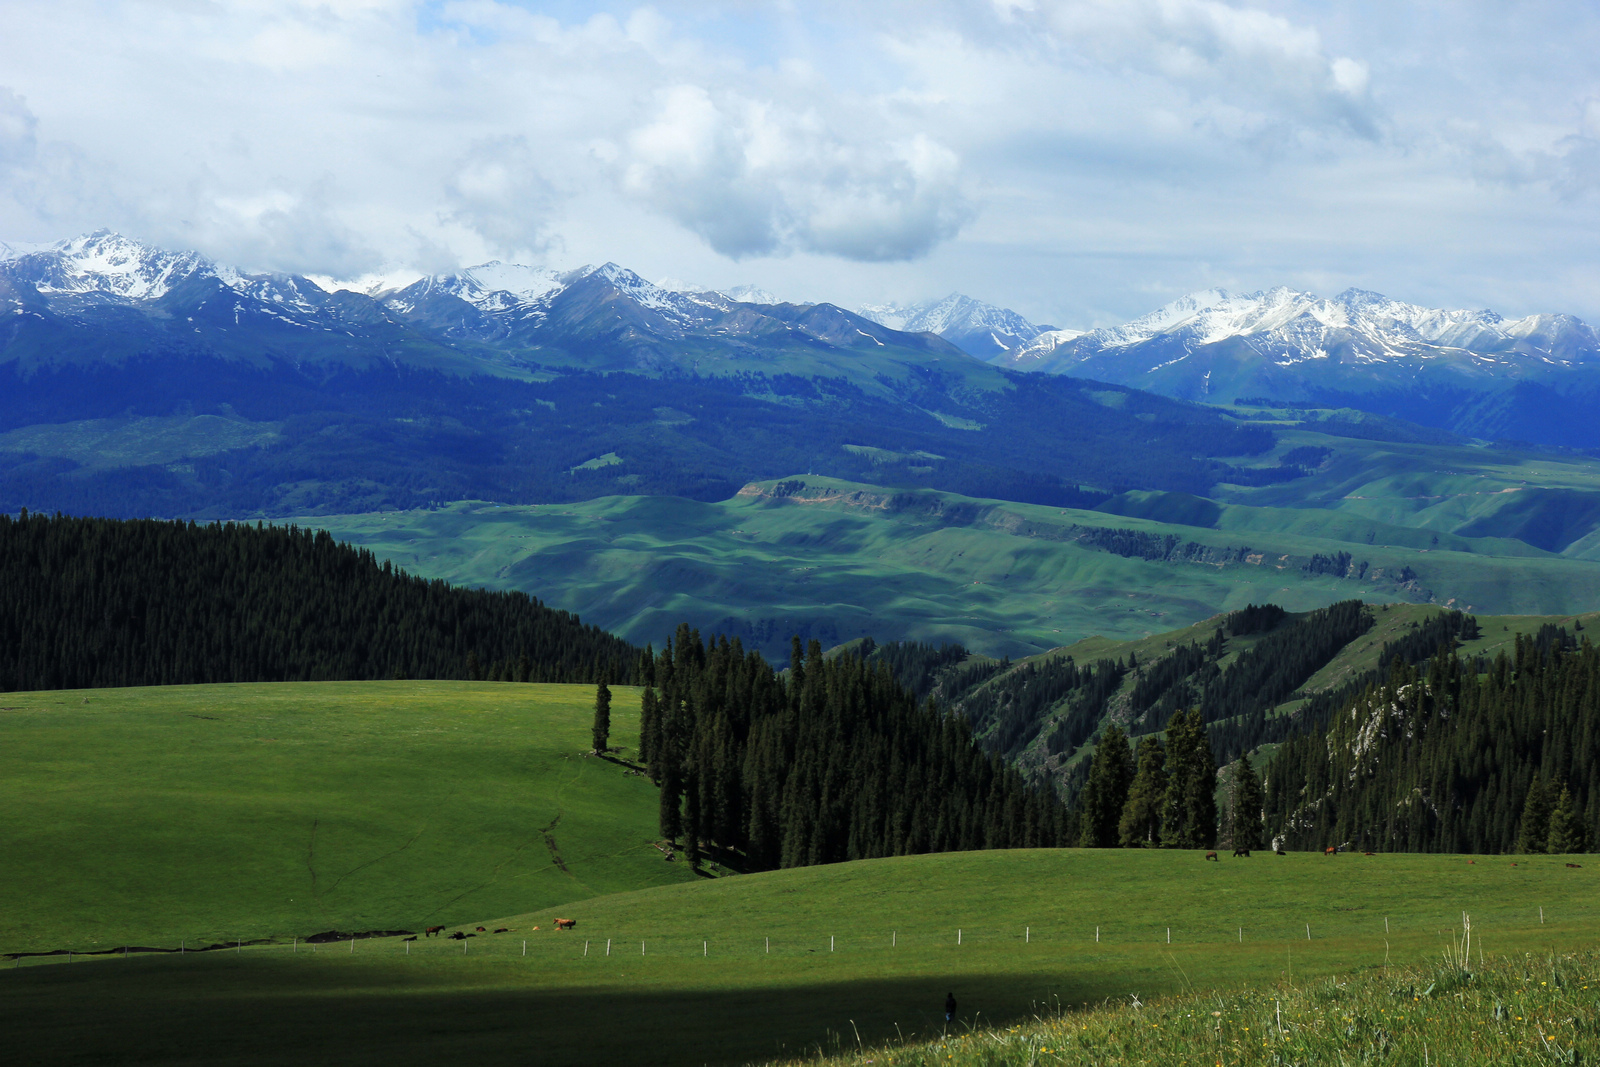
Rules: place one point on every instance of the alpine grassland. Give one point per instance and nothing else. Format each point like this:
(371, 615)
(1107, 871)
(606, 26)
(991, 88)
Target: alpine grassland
(788, 963)
(1518, 1009)
(184, 815)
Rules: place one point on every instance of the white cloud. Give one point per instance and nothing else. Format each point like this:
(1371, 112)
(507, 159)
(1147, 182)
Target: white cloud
(1081, 159)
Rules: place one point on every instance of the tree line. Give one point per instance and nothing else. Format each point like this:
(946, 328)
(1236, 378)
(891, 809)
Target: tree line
(1164, 795)
(1454, 755)
(832, 760)
(90, 603)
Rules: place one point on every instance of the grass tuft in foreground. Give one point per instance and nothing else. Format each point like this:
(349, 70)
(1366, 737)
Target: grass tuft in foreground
(1510, 1010)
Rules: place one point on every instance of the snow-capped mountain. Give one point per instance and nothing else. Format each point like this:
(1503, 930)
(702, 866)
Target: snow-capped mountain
(979, 329)
(134, 298)
(1469, 371)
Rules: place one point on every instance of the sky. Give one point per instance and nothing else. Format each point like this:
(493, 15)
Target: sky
(1080, 161)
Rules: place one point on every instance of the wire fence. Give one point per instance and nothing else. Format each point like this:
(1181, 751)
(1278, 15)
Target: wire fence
(1039, 942)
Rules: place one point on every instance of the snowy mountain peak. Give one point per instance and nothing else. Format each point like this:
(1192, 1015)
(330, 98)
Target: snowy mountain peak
(983, 330)
(106, 264)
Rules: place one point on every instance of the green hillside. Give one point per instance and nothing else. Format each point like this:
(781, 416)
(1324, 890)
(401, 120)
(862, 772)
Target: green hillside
(871, 945)
(840, 560)
(211, 813)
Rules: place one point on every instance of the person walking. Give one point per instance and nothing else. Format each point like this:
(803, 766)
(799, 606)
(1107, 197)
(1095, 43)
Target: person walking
(949, 1006)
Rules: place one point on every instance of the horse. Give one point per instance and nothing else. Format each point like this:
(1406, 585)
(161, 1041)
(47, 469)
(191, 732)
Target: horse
(1241, 852)
(1212, 856)
(430, 931)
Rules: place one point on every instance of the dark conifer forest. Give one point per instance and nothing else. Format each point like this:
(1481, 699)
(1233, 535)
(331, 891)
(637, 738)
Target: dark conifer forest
(1459, 755)
(834, 760)
(89, 603)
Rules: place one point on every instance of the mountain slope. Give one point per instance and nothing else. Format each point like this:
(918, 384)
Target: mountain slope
(979, 329)
(1471, 372)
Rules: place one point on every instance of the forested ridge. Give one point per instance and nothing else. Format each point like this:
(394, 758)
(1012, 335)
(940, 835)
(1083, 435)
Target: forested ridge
(834, 760)
(89, 603)
(1460, 755)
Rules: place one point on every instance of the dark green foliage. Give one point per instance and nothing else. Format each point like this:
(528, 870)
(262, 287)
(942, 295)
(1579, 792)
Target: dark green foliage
(1567, 832)
(1106, 792)
(1534, 831)
(1244, 806)
(834, 760)
(1007, 712)
(1140, 823)
(920, 667)
(1449, 757)
(88, 603)
(1189, 812)
(1256, 618)
(602, 717)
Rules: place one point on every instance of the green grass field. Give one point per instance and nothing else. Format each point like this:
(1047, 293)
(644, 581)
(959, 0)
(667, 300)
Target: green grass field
(844, 566)
(157, 815)
(154, 816)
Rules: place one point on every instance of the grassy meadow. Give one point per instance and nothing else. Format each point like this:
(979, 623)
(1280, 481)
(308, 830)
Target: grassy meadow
(266, 813)
(843, 565)
(200, 814)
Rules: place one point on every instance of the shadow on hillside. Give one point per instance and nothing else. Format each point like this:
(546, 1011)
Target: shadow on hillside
(267, 1012)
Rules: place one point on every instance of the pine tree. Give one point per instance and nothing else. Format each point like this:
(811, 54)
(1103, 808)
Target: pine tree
(1189, 812)
(1140, 823)
(601, 732)
(1567, 832)
(1245, 804)
(1535, 827)
(1106, 791)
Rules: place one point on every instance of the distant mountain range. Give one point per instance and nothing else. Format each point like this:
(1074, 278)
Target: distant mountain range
(135, 380)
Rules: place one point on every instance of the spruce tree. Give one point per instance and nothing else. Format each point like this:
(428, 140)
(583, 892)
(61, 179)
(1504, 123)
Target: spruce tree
(1567, 832)
(1245, 805)
(601, 732)
(1535, 826)
(1106, 791)
(1140, 823)
(1189, 812)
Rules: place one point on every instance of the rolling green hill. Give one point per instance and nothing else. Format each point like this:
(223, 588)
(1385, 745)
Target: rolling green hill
(866, 948)
(839, 560)
(213, 813)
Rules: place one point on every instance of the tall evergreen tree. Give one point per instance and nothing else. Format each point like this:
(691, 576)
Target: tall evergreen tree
(1189, 813)
(1535, 827)
(1568, 835)
(601, 732)
(1140, 822)
(1244, 804)
(1106, 791)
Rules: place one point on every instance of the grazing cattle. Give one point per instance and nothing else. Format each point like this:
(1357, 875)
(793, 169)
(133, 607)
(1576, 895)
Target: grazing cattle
(566, 924)
(503, 930)
(1330, 850)
(536, 928)
(1368, 853)
(1472, 861)
(413, 937)
(1279, 852)
(1241, 852)
(481, 930)
(1212, 856)
(459, 936)
(430, 931)
(1577, 865)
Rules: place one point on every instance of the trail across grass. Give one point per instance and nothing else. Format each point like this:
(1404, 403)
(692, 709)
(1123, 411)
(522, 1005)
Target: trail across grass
(203, 814)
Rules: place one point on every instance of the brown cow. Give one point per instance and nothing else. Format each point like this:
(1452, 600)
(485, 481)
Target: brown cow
(1577, 865)
(566, 924)
(1212, 856)
(503, 930)
(430, 931)
(481, 930)
(1331, 850)
(1368, 853)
